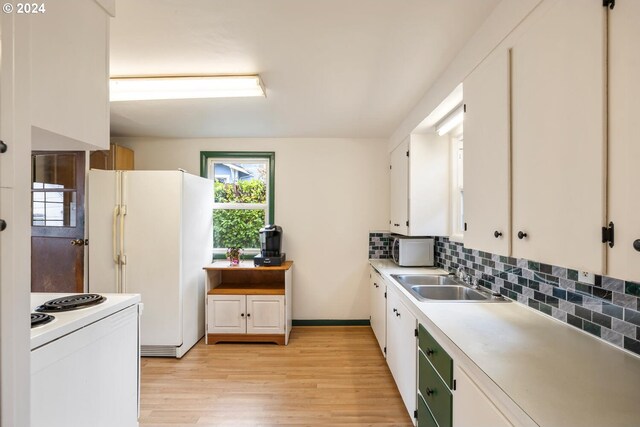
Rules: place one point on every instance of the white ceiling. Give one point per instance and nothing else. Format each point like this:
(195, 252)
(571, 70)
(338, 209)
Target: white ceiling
(331, 68)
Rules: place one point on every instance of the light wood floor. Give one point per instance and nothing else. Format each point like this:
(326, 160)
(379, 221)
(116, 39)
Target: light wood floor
(326, 376)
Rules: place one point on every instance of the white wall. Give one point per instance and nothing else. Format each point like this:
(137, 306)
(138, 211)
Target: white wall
(329, 194)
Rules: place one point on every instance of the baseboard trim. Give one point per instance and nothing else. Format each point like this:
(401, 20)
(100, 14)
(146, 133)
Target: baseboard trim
(331, 322)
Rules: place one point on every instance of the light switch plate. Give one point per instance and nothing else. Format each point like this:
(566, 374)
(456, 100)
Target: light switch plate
(586, 277)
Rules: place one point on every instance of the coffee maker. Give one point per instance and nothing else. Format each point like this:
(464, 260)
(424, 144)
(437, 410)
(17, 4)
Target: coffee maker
(270, 247)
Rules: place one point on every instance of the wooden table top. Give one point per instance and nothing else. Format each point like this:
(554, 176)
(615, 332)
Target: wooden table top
(223, 264)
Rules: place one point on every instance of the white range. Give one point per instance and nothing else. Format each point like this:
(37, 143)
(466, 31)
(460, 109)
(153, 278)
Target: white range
(85, 363)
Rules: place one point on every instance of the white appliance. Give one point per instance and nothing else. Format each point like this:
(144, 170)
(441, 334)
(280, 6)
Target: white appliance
(413, 251)
(151, 233)
(85, 364)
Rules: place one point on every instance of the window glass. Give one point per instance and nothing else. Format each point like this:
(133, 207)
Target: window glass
(243, 199)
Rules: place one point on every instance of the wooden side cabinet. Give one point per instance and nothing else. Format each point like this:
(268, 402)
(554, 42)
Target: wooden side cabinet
(116, 158)
(248, 303)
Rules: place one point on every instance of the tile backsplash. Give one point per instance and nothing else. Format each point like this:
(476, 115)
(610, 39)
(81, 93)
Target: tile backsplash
(379, 245)
(610, 309)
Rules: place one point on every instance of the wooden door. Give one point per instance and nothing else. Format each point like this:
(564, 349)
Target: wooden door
(624, 142)
(399, 189)
(57, 221)
(487, 172)
(558, 109)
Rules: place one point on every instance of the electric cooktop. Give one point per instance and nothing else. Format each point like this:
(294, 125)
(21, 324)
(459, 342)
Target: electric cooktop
(71, 302)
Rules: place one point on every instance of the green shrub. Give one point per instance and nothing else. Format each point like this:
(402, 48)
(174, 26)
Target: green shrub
(238, 227)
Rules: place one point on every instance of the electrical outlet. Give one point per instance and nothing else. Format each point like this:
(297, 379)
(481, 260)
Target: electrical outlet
(586, 277)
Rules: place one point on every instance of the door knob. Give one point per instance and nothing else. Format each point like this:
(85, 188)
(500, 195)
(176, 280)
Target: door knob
(521, 235)
(636, 244)
(3, 147)
(3, 224)
(78, 242)
(497, 234)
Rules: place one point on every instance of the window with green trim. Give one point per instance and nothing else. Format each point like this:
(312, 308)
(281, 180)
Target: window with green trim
(243, 196)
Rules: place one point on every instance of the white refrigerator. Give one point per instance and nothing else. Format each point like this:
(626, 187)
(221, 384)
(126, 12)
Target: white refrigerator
(150, 233)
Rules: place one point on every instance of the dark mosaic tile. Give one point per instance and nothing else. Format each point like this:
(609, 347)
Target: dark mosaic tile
(632, 288)
(572, 275)
(592, 328)
(552, 301)
(546, 309)
(638, 333)
(574, 298)
(632, 316)
(575, 321)
(632, 345)
(534, 304)
(601, 320)
(583, 312)
(535, 266)
(612, 310)
(546, 268)
(597, 281)
(581, 287)
(553, 280)
(559, 293)
(602, 293)
(539, 296)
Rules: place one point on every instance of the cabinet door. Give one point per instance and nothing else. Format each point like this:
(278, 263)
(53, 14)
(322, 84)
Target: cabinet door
(226, 314)
(487, 175)
(402, 349)
(399, 189)
(429, 185)
(558, 88)
(378, 304)
(265, 314)
(471, 407)
(70, 73)
(624, 142)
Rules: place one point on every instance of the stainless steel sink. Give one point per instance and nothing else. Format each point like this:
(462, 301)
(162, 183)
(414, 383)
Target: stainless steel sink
(425, 280)
(448, 293)
(444, 288)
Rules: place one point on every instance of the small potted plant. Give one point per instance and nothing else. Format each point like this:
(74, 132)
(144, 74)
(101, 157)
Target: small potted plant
(233, 255)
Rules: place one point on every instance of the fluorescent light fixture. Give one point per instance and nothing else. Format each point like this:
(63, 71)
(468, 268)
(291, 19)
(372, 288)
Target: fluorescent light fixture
(184, 87)
(453, 119)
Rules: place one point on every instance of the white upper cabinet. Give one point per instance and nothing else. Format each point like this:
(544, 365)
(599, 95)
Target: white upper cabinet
(487, 160)
(399, 186)
(70, 75)
(624, 141)
(558, 125)
(420, 186)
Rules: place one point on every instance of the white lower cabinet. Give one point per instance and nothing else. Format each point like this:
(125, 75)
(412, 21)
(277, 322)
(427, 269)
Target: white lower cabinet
(401, 348)
(471, 407)
(245, 314)
(378, 304)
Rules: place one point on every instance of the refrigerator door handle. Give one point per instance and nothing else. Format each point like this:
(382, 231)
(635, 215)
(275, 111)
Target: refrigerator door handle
(123, 257)
(116, 256)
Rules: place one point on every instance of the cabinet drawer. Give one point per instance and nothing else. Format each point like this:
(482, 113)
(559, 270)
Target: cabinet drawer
(425, 419)
(436, 355)
(435, 392)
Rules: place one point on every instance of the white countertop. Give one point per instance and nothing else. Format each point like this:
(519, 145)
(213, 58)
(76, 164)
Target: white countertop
(557, 374)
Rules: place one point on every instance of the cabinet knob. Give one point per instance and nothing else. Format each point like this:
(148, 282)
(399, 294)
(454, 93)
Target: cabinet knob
(636, 245)
(429, 351)
(430, 391)
(248, 314)
(521, 235)
(3, 224)
(3, 147)
(497, 234)
(376, 285)
(397, 314)
(241, 314)
(395, 310)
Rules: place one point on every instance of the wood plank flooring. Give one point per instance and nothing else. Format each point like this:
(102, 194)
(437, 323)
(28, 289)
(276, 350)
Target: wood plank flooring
(326, 376)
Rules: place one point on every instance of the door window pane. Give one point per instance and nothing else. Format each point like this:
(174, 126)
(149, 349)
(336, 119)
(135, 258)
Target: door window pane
(54, 169)
(54, 208)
